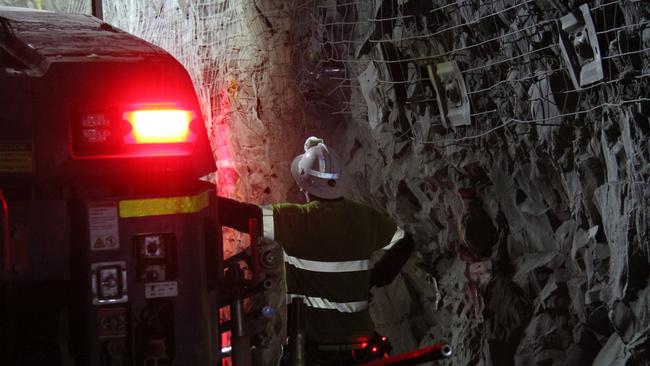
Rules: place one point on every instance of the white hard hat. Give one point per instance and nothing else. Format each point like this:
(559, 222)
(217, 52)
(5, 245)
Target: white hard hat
(318, 170)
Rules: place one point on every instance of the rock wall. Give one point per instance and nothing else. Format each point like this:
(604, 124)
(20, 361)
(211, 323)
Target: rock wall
(516, 152)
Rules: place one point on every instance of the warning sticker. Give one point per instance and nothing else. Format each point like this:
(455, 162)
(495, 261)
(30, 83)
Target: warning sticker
(103, 226)
(16, 157)
(160, 289)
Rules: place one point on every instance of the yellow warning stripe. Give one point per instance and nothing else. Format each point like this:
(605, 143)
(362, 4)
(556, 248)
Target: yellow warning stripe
(164, 206)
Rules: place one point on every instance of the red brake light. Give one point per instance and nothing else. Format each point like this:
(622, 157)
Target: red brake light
(134, 131)
(159, 126)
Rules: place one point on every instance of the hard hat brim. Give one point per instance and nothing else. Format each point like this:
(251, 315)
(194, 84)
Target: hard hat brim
(307, 182)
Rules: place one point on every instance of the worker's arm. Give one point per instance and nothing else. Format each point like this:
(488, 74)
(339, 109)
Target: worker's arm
(389, 265)
(235, 214)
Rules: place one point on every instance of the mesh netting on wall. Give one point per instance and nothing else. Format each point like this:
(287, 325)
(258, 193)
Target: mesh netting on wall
(453, 73)
(500, 49)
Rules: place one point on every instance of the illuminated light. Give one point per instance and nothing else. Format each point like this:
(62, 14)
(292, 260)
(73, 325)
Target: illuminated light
(159, 126)
(375, 349)
(364, 344)
(384, 339)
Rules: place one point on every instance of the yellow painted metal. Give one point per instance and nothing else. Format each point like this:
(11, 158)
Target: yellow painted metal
(164, 206)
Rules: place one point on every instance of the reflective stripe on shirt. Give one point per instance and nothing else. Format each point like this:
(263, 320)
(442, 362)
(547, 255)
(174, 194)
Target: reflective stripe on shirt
(399, 235)
(318, 266)
(321, 303)
(267, 222)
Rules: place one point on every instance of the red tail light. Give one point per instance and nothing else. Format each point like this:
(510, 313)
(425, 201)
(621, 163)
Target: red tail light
(142, 130)
(159, 126)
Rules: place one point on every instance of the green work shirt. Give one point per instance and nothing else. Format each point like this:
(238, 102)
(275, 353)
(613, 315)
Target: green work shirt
(327, 249)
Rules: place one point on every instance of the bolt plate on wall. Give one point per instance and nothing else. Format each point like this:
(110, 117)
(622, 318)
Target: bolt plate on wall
(580, 49)
(453, 101)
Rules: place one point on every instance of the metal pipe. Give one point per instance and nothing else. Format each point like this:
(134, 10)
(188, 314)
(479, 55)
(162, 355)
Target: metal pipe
(438, 351)
(97, 9)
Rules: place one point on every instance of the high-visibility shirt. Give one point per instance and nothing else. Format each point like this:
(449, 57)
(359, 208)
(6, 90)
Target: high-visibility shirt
(327, 248)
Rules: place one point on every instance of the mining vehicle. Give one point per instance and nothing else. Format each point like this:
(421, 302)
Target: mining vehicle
(104, 217)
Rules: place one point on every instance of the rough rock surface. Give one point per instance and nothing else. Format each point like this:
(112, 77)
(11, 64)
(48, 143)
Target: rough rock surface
(531, 221)
(531, 216)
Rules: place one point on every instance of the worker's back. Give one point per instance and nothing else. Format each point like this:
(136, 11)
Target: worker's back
(328, 244)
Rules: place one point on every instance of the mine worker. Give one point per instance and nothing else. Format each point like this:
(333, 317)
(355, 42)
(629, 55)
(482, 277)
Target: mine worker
(327, 244)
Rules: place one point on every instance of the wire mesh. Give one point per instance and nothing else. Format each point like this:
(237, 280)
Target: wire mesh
(491, 40)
